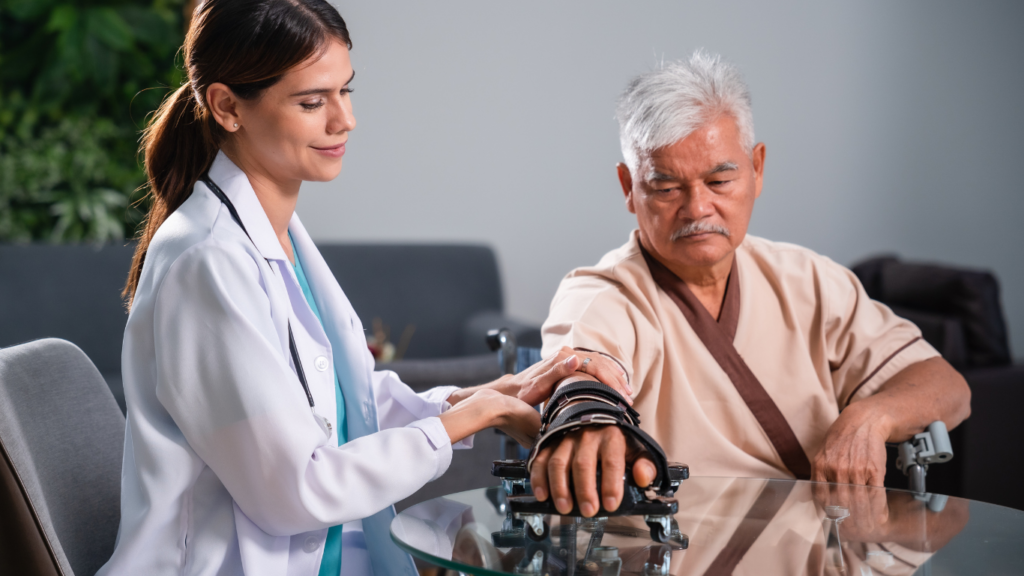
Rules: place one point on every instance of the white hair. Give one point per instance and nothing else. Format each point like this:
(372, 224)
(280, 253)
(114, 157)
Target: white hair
(664, 106)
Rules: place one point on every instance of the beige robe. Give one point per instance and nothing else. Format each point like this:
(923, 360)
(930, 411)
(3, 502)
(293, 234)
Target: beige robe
(806, 328)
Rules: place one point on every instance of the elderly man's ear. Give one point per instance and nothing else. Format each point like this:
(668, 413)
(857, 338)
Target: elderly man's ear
(626, 180)
(757, 155)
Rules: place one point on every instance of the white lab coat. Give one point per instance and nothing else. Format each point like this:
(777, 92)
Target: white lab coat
(226, 468)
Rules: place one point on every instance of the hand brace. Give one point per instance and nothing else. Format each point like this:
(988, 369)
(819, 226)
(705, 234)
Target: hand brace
(591, 403)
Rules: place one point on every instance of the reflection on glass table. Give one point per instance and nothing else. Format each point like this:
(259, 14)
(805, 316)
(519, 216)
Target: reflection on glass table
(727, 526)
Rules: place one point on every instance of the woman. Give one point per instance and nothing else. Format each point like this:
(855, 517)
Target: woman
(259, 439)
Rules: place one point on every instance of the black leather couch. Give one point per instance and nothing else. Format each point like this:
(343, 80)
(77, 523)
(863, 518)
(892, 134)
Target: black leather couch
(959, 313)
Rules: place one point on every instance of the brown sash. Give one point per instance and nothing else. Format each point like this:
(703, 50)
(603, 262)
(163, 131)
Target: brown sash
(718, 337)
(767, 505)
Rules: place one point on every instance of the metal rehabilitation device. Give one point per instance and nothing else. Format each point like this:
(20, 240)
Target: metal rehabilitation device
(653, 503)
(573, 407)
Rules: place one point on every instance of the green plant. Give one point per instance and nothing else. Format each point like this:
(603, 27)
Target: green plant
(77, 81)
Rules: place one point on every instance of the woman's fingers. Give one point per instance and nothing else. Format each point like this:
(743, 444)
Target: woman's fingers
(559, 371)
(545, 365)
(607, 371)
(540, 383)
(612, 377)
(537, 383)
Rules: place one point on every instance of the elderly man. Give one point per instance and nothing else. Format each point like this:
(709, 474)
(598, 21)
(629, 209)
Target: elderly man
(745, 357)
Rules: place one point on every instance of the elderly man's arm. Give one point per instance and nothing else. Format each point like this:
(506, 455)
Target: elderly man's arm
(853, 451)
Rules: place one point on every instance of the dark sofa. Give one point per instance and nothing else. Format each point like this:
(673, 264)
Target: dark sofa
(69, 292)
(450, 293)
(959, 313)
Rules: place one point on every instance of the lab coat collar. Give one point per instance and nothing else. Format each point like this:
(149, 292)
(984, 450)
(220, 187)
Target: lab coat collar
(237, 188)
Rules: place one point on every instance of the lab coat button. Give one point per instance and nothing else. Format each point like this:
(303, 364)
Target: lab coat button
(311, 544)
(321, 363)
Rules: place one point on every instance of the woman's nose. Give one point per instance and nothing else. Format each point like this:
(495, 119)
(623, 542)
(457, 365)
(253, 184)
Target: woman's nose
(341, 119)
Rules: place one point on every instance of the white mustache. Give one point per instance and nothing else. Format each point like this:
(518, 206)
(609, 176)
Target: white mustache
(699, 227)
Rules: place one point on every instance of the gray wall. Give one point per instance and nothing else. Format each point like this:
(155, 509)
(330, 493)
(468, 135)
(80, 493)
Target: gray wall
(890, 127)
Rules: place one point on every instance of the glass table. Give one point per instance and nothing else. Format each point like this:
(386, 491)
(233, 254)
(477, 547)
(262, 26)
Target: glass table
(728, 526)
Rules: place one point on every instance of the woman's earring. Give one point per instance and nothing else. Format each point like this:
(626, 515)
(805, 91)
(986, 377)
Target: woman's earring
(236, 124)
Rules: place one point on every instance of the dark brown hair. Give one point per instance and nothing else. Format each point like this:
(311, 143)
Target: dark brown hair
(247, 45)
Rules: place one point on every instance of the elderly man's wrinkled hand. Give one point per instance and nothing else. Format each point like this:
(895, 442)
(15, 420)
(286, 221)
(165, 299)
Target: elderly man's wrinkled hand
(578, 455)
(854, 449)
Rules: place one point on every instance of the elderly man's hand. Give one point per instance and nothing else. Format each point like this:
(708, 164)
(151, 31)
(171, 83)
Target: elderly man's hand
(854, 449)
(580, 452)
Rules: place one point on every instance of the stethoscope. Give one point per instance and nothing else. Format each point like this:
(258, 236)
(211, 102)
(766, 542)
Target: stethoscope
(205, 179)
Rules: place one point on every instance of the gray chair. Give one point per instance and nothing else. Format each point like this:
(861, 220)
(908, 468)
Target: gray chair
(61, 442)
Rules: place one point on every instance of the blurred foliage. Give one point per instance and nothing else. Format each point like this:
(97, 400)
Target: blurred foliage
(77, 82)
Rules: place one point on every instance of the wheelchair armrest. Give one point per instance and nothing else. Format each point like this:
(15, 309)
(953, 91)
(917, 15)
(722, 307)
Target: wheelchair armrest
(478, 325)
(929, 447)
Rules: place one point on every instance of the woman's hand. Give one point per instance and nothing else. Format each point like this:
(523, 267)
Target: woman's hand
(489, 408)
(520, 421)
(507, 403)
(536, 384)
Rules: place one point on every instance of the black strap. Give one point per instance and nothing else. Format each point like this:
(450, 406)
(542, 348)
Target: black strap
(587, 388)
(205, 179)
(584, 409)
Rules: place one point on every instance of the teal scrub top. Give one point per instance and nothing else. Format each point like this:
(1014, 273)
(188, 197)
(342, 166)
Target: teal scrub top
(330, 565)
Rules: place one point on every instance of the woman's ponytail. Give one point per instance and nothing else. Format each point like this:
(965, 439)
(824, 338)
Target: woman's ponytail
(178, 145)
(248, 45)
